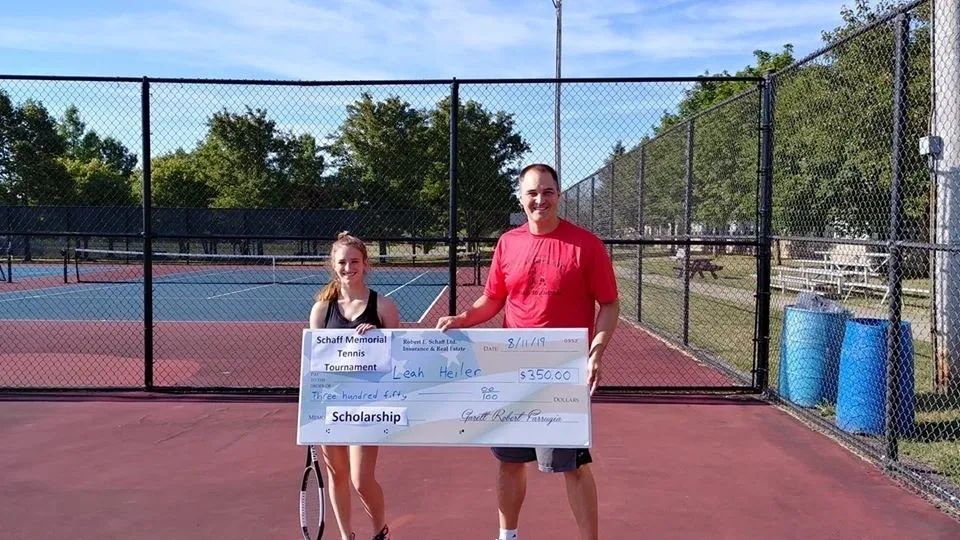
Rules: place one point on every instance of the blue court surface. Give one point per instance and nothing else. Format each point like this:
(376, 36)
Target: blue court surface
(25, 271)
(414, 291)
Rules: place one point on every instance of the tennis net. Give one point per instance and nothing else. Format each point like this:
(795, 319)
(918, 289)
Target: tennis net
(113, 266)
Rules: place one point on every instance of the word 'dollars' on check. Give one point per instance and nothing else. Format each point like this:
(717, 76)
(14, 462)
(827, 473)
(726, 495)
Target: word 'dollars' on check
(472, 387)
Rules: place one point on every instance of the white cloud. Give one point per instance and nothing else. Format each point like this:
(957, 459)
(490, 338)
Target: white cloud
(406, 39)
(354, 39)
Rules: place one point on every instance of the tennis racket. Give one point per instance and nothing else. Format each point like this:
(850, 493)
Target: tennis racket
(311, 498)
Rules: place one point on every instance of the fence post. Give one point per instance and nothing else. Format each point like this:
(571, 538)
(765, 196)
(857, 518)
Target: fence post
(577, 214)
(640, 233)
(593, 201)
(453, 229)
(611, 190)
(147, 238)
(896, 257)
(762, 371)
(687, 216)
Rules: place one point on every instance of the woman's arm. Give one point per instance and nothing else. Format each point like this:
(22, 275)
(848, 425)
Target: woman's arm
(317, 314)
(387, 310)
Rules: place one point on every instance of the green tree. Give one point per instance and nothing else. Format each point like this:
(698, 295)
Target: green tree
(31, 148)
(7, 128)
(175, 182)
(489, 154)
(381, 156)
(250, 163)
(99, 184)
(102, 168)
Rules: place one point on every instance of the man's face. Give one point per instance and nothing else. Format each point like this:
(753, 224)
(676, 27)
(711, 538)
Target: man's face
(539, 196)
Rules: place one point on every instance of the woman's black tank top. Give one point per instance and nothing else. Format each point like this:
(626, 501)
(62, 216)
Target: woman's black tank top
(335, 318)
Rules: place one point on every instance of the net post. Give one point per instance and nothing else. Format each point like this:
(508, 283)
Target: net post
(147, 238)
(454, 121)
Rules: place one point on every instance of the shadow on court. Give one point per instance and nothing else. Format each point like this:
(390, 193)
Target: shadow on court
(199, 469)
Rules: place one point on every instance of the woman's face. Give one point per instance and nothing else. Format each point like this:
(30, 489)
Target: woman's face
(349, 265)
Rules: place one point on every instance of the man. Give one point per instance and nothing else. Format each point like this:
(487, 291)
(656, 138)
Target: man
(548, 273)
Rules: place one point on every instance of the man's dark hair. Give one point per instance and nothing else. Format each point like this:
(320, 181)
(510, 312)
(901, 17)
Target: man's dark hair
(542, 167)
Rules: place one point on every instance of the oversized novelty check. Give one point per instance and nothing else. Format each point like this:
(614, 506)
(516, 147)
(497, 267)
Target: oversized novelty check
(470, 387)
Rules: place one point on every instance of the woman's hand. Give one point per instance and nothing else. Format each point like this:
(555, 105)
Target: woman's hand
(364, 327)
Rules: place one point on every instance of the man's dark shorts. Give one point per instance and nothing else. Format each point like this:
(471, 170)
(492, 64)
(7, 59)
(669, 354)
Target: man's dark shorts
(548, 459)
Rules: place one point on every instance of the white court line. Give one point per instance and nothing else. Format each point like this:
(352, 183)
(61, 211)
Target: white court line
(258, 287)
(407, 283)
(435, 300)
(72, 291)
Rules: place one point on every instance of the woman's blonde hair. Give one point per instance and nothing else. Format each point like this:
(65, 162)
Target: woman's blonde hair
(332, 289)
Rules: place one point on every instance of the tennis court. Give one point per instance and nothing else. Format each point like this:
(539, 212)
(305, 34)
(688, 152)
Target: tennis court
(214, 288)
(219, 321)
(152, 466)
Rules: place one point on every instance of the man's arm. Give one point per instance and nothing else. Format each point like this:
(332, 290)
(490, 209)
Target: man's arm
(606, 324)
(484, 309)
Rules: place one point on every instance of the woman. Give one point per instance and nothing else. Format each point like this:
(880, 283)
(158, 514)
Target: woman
(347, 302)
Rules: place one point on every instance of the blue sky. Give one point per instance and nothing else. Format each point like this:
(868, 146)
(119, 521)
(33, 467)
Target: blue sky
(398, 39)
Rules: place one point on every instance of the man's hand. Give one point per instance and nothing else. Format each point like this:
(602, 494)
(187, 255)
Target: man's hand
(449, 322)
(593, 370)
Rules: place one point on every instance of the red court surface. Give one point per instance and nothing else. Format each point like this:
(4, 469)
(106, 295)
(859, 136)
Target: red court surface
(195, 468)
(221, 354)
(198, 467)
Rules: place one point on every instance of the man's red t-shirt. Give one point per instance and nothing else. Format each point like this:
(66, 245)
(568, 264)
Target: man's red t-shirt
(551, 280)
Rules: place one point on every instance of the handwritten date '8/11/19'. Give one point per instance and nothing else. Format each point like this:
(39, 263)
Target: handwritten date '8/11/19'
(527, 344)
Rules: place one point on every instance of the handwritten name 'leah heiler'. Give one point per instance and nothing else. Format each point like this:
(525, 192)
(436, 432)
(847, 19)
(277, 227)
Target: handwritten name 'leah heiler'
(503, 415)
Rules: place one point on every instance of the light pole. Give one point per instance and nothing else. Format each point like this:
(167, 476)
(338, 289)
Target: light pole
(558, 5)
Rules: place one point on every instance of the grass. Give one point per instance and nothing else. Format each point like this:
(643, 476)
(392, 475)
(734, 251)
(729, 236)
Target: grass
(725, 328)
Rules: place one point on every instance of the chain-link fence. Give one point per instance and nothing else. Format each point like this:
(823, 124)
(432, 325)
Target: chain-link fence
(863, 187)
(686, 197)
(196, 269)
(797, 237)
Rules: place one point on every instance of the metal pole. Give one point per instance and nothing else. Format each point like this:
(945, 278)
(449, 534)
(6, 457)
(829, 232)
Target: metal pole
(558, 4)
(640, 233)
(579, 221)
(593, 198)
(454, 121)
(762, 376)
(687, 218)
(945, 180)
(611, 192)
(147, 238)
(894, 329)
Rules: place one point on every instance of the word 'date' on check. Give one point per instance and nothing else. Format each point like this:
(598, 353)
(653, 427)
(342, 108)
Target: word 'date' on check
(469, 387)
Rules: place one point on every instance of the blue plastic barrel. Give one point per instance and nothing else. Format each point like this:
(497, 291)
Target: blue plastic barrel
(862, 391)
(810, 343)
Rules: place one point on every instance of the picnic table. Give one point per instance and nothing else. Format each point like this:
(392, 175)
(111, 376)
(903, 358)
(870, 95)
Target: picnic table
(698, 266)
